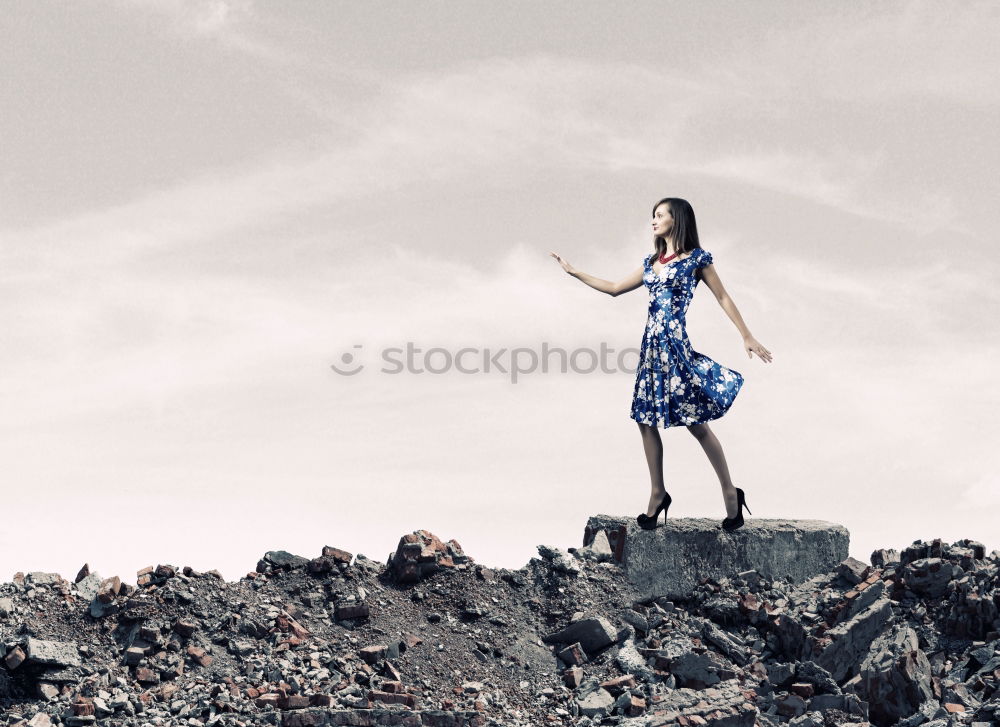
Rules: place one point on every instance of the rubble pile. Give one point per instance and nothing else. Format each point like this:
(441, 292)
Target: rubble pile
(433, 638)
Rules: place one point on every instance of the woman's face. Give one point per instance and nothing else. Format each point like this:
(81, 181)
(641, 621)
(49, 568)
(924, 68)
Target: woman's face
(663, 221)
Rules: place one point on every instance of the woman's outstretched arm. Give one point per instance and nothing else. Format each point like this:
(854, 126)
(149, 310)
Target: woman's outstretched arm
(629, 282)
(750, 344)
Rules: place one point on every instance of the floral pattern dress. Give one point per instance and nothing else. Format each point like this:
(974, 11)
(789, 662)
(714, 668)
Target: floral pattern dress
(674, 384)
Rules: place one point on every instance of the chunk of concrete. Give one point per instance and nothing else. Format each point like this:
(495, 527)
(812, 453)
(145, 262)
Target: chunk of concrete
(780, 673)
(852, 570)
(630, 661)
(55, 653)
(88, 586)
(38, 578)
(895, 675)
(596, 704)
(930, 576)
(593, 634)
(671, 559)
(598, 550)
(848, 643)
(696, 671)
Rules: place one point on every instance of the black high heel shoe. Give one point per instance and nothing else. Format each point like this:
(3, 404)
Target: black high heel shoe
(648, 523)
(737, 522)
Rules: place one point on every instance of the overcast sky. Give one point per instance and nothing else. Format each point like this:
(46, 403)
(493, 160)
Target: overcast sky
(204, 204)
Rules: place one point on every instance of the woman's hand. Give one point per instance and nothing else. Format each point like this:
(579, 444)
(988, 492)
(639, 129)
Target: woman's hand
(753, 346)
(565, 265)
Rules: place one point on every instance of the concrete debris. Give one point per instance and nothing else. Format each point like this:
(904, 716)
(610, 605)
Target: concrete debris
(593, 634)
(672, 559)
(931, 576)
(841, 647)
(853, 570)
(599, 549)
(561, 561)
(51, 652)
(432, 638)
(895, 675)
(596, 703)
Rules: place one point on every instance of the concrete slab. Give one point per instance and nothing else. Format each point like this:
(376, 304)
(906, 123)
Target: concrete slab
(670, 560)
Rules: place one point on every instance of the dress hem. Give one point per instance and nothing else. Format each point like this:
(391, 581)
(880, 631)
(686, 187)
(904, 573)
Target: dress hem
(680, 424)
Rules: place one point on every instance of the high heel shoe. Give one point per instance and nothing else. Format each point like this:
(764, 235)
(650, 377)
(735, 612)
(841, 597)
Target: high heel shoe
(647, 522)
(731, 523)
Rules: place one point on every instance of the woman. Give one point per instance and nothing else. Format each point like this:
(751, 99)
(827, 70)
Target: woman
(674, 384)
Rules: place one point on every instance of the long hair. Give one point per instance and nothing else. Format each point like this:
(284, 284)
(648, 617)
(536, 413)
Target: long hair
(685, 229)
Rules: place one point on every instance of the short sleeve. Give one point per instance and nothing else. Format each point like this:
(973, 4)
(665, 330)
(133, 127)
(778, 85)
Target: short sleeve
(705, 258)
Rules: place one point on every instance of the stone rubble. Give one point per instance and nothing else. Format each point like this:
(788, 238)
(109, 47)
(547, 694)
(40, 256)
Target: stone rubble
(433, 638)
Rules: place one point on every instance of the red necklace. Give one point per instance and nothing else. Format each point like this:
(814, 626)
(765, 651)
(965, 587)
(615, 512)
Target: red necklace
(665, 260)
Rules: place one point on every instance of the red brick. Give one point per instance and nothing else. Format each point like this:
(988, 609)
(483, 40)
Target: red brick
(407, 700)
(168, 690)
(636, 707)
(185, 626)
(803, 689)
(199, 655)
(15, 657)
(572, 677)
(337, 554)
(351, 611)
(109, 588)
(296, 701)
(265, 699)
(372, 654)
(146, 675)
(573, 655)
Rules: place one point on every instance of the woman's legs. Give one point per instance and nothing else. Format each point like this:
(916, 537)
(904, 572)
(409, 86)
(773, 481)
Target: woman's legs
(653, 447)
(710, 443)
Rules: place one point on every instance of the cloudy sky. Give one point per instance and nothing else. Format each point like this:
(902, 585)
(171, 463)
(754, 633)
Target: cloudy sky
(207, 204)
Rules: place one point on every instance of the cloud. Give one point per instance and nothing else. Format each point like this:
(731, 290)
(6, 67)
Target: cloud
(983, 492)
(233, 24)
(502, 115)
(884, 53)
(98, 284)
(497, 114)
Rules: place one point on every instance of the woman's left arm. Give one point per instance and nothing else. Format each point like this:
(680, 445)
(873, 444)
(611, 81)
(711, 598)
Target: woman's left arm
(750, 344)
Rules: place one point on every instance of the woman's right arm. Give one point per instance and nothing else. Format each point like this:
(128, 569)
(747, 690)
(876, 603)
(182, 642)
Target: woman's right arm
(629, 282)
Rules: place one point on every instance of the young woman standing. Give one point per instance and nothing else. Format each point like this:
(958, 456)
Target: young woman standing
(674, 384)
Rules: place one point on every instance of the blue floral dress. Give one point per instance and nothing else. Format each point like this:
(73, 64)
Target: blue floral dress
(674, 384)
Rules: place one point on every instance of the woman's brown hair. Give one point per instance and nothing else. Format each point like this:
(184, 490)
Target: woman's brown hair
(685, 229)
